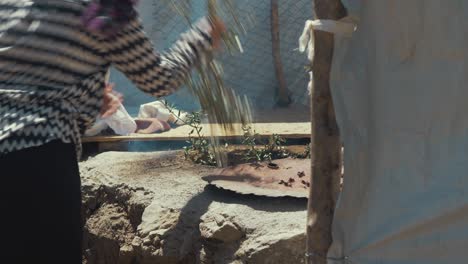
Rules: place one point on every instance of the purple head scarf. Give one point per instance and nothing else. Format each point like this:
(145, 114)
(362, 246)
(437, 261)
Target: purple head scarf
(108, 16)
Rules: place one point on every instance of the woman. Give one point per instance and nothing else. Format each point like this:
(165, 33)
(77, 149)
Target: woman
(54, 55)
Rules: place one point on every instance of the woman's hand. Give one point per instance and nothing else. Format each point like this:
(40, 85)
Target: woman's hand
(218, 29)
(111, 101)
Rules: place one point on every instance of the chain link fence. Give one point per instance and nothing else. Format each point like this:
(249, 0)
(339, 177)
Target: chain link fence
(252, 72)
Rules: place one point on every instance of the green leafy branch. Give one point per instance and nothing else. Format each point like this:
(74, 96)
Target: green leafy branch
(259, 151)
(199, 149)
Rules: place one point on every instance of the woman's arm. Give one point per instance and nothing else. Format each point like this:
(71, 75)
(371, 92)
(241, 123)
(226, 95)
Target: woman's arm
(132, 53)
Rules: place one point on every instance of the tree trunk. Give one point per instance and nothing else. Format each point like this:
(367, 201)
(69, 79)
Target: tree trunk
(325, 141)
(282, 92)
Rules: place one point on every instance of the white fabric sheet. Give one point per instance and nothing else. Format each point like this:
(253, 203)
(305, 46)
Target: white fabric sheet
(400, 87)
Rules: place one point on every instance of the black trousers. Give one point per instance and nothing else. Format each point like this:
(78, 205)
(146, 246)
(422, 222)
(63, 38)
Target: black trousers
(40, 205)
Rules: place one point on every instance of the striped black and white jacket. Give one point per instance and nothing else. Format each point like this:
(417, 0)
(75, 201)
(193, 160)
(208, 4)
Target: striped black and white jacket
(52, 70)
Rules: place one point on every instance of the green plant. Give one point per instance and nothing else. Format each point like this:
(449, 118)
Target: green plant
(304, 155)
(307, 152)
(199, 149)
(250, 140)
(266, 151)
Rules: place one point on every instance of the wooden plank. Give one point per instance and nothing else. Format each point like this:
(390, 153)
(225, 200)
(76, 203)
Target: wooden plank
(286, 130)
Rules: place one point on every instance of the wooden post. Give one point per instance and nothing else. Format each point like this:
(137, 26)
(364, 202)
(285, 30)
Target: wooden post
(282, 93)
(325, 140)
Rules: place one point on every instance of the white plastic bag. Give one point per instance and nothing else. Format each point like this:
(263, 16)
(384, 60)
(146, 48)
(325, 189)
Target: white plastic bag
(99, 126)
(159, 110)
(121, 122)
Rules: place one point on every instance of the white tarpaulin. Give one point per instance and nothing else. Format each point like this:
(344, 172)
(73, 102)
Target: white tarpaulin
(400, 87)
